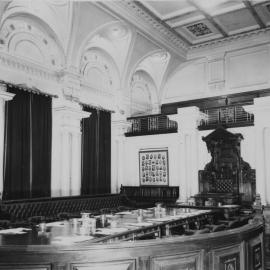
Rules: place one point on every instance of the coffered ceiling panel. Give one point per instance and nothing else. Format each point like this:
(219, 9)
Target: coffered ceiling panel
(264, 13)
(200, 21)
(237, 21)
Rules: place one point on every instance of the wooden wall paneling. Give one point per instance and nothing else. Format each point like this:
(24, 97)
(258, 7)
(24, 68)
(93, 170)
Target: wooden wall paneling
(184, 261)
(255, 253)
(143, 263)
(26, 267)
(113, 265)
(60, 266)
(229, 258)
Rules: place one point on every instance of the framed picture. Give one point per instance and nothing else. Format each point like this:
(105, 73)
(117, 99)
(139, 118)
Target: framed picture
(257, 256)
(154, 169)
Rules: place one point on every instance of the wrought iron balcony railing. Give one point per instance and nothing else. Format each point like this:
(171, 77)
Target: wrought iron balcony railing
(230, 116)
(151, 124)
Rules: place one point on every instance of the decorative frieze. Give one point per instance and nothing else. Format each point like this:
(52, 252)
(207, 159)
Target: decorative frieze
(32, 69)
(234, 38)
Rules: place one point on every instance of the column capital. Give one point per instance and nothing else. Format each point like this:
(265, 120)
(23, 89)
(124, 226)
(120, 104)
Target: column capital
(188, 118)
(71, 84)
(69, 114)
(4, 95)
(120, 127)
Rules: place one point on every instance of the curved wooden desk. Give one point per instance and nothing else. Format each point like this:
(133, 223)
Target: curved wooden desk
(240, 248)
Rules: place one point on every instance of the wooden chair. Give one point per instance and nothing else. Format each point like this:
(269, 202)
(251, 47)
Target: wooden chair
(218, 228)
(4, 224)
(36, 220)
(234, 224)
(202, 231)
(64, 216)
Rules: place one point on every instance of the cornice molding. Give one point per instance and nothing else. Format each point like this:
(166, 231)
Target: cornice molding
(226, 41)
(147, 23)
(98, 92)
(22, 65)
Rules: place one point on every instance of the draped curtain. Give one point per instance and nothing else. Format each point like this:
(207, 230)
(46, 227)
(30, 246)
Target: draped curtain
(96, 153)
(27, 168)
(41, 112)
(17, 146)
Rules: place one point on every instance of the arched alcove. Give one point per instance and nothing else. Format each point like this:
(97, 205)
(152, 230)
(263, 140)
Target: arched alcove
(99, 70)
(28, 40)
(143, 93)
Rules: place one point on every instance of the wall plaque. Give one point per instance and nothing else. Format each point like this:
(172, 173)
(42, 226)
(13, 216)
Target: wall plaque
(154, 170)
(257, 256)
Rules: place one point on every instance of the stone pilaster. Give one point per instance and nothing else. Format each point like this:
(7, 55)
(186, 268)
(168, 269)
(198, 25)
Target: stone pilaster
(66, 147)
(261, 111)
(119, 128)
(188, 120)
(4, 96)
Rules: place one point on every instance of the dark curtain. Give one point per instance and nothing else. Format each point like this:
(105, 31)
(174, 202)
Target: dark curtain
(96, 153)
(17, 146)
(27, 165)
(89, 153)
(41, 112)
(104, 152)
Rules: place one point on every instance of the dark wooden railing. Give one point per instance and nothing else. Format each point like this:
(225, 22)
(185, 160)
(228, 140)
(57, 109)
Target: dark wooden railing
(230, 116)
(149, 195)
(151, 124)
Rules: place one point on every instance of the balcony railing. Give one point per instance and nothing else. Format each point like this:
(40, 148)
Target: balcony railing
(230, 116)
(151, 124)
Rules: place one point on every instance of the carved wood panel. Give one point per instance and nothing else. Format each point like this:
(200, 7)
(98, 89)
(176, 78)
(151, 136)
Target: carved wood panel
(26, 267)
(188, 261)
(114, 265)
(229, 258)
(255, 253)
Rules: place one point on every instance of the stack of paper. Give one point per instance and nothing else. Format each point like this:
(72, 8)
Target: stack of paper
(15, 231)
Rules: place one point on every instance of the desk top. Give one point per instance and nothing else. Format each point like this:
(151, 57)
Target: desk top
(121, 226)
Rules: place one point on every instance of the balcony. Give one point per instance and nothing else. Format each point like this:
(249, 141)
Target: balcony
(229, 116)
(151, 124)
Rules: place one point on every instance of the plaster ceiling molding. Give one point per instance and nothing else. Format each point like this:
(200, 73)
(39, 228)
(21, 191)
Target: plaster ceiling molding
(114, 38)
(155, 65)
(147, 23)
(203, 21)
(143, 93)
(25, 40)
(99, 70)
(47, 13)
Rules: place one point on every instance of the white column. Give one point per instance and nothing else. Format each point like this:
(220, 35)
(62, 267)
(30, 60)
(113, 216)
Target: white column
(261, 111)
(66, 148)
(119, 127)
(4, 96)
(188, 120)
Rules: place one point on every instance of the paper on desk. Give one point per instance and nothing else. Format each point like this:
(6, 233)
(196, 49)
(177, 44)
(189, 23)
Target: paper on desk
(125, 213)
(55, 224)
(62, 240)
(109, 231)
(19, 230)
(139, 224)
(161, 219)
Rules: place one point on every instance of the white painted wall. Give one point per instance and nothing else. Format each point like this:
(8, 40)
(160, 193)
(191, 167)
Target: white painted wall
(164, 141)
(177, 165)
(224, 73)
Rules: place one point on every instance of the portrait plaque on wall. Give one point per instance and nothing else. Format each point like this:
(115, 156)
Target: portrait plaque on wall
(230, 262)
(257, 256)
(153, 165)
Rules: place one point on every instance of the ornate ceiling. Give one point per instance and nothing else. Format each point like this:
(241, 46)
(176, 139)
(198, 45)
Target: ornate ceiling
(200, 21)
(131, 52)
